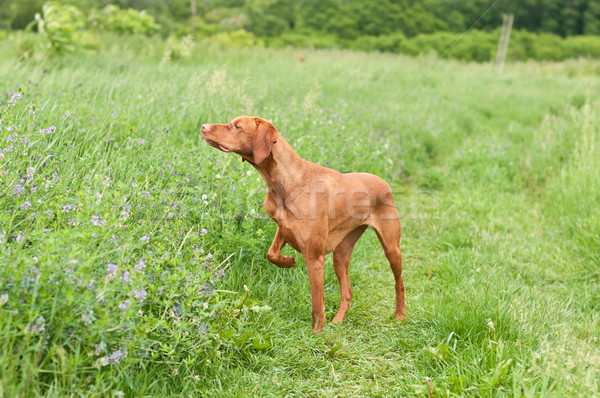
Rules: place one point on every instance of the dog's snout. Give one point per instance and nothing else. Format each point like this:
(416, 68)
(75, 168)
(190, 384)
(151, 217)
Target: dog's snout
(205, 128)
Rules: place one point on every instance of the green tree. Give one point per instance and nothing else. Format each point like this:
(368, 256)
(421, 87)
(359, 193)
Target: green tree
(591, 18)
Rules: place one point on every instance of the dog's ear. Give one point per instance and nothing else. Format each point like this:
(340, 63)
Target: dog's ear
(264, 138)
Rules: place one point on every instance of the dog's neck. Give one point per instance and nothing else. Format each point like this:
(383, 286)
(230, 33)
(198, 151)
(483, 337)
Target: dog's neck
(282, 169)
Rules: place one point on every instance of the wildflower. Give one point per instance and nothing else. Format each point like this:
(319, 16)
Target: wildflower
(140, 294)
(124, 306)
(20, 237)
(246, 289)
(209, 256)
(204, 196)
(140, 265)
(264, 308)
(49, 130)
(30, 171)
(2, 237)
(221, 274)
(19, 189)
(98, 198)
(100, 348)
(119, 394)
(3, 299)
(88, 317)
(112, 271)
(95, 220)
(8, 149)
(208, 289)
(490, 325)
(38, 327)
(16, 96)
(25, 205)
(203, 231)
(125, 277)
(145, 239)
(115, 357)
(175, 372)
(202, 329)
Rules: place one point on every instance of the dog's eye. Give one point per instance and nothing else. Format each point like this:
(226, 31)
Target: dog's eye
(237, 127)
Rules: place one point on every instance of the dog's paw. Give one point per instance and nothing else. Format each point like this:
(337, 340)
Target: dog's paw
(287, 262)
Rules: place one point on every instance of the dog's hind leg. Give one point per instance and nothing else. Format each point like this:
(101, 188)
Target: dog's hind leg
(341, 264)
(388, 232)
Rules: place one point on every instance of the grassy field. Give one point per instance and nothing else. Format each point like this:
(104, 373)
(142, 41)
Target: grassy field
(126, 242)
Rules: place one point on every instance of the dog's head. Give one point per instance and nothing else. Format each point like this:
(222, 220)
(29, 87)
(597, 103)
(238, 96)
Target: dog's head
(250, 137)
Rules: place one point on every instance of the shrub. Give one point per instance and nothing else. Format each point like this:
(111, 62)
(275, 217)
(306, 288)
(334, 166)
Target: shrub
(238, 38)
(114, 19)
(63, 27)
(582, 46)
(386, 43)
(303, 40)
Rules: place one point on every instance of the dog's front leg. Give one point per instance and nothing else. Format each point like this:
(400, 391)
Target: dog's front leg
(274, 254)
(315, 264)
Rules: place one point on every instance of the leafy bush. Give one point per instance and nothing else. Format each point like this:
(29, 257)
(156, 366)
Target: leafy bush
(114, 19)
(303, 40)
(582, 46)
(63, 27)
(385, 43)
(238, 38)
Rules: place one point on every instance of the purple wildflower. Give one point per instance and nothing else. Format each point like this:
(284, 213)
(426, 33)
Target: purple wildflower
(125, 277)
(145, 239)
(100, 347)
(38, 327)
(203, 231)
(208, 289)
(68, 207)
(8, 149)
(140, 265)
(19, 189)
(124, 306)
(115, 357)
(112, 271)
(49, 130)
(140, 294)
(25, 205)
(95, 220)
(202, 329)
(16, 96)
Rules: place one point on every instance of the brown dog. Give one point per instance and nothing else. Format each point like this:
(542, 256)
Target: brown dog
(317, 210)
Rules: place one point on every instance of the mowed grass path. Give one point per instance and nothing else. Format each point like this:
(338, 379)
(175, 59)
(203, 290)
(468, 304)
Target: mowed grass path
(496, 175)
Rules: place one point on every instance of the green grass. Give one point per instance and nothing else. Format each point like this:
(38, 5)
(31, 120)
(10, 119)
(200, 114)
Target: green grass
(496, 176)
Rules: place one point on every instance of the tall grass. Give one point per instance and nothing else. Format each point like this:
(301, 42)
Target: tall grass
(123, 270)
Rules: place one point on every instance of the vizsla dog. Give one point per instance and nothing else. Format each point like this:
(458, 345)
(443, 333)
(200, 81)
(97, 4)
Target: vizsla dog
(317, 210)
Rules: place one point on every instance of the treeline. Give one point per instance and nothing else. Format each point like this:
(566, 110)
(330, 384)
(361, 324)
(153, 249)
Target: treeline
(346, 19)
(552, 30)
